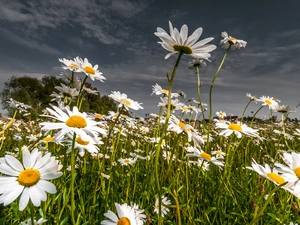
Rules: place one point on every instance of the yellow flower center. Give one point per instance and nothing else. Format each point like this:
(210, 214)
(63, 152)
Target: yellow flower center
(89, 70)
(205, 155)
(233, 38)
(275, 177)
(268, 102)
(183, 48)
(48, 139)
(181, 124)
(235, 126)
(98, 116)
(125, 102)
(297, 171)
(184, 108)
(127, 160)
(29, 177)
(80, 141)
(165, 91)
(124, 221)
(76, 121)
(218, 153)
(73, 66)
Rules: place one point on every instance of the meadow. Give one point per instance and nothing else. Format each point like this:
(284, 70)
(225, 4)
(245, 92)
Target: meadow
(184, 165)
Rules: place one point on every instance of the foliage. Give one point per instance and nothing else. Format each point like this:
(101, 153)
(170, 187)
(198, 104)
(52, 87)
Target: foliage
(36, 93)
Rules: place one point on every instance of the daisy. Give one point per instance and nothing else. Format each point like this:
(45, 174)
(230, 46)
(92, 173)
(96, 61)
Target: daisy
(127, 161)
(175, 103)
(28, 222)
(91, 71)
(237, 128)
(71, 122)
(28, 180)
(232, 42)
(158, 90)
(251, 97)
(165, 202)
(84, 143)
(203, 164)
(291, 172)
(269, 101)
(218, 154)
(73, 65)
(178, 126)
(194, 152)
(180, 42)
(274, 175)
(66, 91)
(126, 216)
(221, 114)
(197, 63)
(284, 109)
(124, 101)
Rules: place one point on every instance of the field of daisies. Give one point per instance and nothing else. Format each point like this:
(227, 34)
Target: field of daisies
(187, 164)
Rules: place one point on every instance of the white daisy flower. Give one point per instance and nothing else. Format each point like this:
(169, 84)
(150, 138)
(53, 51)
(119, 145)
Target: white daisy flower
(274, 175)
(91, 71)
(232, 42)
(285, 109)
(269, 101)
(70, 122)
(64, 91)
(251, 97)
(194, 152)
(28, 180)
(126, 216)
(180, 42)
(127, 161)
(237, 128)
(73, 65)
(197, 63)
(28, 222)
(86, 142)
(175, 103)
(124, 101)
(158, 90)
(165, 202)
(221, 114)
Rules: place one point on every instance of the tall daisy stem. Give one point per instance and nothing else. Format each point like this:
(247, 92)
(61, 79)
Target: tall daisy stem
(73, 175)
(158, 148)
(199, 96)
(213, 83)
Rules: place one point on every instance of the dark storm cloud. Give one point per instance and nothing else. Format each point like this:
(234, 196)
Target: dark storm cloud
(119, 36)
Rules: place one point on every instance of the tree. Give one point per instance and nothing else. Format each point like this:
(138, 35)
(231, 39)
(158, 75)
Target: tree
(36, 93)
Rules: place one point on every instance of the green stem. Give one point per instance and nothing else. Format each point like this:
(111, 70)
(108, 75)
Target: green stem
(199, 96)
(157, 154)
(31, 213)
(245, 110)
(213, 82)
(255, 115)
(73, 175)
(79, 95)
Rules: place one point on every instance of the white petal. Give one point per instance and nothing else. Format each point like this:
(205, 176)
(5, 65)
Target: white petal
(35, 195)
(111, 215)
(24, 199)
(4, 168)
(14, 163)
(12, 194)
(194, 37)
(47, 186)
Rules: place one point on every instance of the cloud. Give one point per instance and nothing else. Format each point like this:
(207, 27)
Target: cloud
(107, 21)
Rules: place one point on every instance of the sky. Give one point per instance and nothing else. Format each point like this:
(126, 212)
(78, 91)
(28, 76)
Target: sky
(118, 35)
